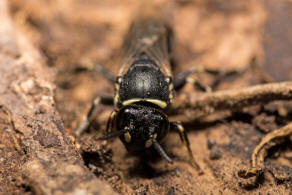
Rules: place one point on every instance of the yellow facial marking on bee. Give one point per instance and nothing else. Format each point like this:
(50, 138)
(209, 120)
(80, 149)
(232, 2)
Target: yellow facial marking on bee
(127, 137)
(148, 143)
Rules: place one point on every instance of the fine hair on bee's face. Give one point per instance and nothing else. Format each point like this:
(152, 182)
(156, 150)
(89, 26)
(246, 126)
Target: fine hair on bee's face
(143, 124)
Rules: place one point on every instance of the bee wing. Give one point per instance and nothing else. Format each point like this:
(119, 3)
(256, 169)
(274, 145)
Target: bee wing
(148, 36)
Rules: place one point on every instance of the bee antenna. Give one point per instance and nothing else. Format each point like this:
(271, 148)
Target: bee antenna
(112, 135)
(161, 151)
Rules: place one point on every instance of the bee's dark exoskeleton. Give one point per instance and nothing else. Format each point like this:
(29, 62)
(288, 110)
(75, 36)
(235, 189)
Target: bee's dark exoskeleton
(144, 89)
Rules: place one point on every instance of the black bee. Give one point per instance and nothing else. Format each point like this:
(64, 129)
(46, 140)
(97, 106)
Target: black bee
(144, 89)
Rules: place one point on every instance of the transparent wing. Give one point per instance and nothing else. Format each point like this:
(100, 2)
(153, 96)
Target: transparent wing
(148, 36)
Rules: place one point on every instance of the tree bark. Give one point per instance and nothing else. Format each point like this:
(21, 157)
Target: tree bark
(36, 154)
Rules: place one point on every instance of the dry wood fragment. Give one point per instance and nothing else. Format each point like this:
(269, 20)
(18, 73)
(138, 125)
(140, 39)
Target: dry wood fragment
(196, 106)
(260, 151)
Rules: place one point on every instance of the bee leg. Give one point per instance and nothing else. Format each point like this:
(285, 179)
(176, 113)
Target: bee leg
(110, 122)
(181, 79)
(198, 85)
(184, 138)
(108, 75)
(109, 132)
(92, 113)
(104, 72)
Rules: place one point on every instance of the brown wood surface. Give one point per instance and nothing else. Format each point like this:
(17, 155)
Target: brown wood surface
(36, 154)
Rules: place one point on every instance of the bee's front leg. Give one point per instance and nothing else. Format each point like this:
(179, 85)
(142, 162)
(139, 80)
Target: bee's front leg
(92, 113)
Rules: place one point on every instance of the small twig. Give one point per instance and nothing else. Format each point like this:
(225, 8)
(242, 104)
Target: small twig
(260, 151)
(196, 106)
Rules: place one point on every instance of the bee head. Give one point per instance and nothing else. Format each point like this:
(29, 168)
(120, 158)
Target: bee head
(143, 125)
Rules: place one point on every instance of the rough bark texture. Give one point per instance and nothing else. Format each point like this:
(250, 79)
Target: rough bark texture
(39, 156)
(36, 154)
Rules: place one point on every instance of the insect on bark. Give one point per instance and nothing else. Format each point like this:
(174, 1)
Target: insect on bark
(144, 89)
